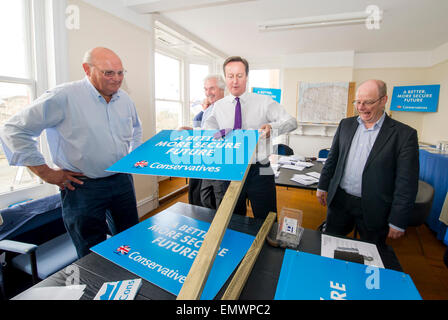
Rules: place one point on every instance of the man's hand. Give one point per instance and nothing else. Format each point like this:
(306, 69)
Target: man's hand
(265, 131)
(61, 178)
(205, 104)
(184, 128)
(394, 233)
(322, 197)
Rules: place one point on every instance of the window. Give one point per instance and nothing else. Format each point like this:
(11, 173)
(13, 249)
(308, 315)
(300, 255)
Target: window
(17, 85)
(168, 92)
(197, 74)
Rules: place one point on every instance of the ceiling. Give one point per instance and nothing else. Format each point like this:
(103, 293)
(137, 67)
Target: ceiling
(230, 26)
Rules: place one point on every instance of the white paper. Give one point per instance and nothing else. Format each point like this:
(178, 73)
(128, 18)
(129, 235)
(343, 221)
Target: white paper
(52, 293)
(330, 243)
(304, 179)
(293, 167)
(321, 159)
(314, 174)
(304, 164)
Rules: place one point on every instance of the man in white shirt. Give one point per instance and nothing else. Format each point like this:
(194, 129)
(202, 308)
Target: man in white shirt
(246, 110)
(90, 125)
(201, 194)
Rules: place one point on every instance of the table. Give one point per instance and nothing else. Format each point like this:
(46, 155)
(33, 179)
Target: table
(94, 270)
(284, 178)
(434, 170)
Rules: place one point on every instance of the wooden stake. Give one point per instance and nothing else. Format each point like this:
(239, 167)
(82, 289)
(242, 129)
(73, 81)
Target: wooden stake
(200, 269)
(238, 282)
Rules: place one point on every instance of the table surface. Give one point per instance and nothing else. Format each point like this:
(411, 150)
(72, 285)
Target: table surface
(93, 270)
(284, 178)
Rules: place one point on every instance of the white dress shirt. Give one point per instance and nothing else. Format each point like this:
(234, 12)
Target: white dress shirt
(256, 110)
(84, 132)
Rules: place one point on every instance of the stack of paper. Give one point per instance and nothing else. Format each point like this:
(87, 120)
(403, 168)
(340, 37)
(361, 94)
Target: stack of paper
(304, 179)
(293, 167)
(314, 174)
(52, 293)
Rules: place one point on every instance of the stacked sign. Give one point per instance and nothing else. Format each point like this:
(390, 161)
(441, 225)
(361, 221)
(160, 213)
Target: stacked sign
(161, 249)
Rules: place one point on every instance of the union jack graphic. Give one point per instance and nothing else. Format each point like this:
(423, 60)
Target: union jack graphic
(141, 164)
(123, 250)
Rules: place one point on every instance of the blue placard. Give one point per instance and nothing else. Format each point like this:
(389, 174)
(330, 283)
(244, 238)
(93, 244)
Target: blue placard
(275, 94)
(192, 154)
(306, 276)
(415, 98)
(162, 248)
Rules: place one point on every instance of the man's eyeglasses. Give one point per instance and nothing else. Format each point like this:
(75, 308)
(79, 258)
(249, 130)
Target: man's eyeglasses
(111, 73)
(367, 103)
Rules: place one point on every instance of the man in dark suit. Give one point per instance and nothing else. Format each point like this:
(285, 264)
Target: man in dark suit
(370, 178)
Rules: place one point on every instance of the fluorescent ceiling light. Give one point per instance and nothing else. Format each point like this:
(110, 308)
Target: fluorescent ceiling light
(316, 21)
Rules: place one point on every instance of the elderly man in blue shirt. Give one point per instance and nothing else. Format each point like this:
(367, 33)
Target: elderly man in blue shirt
(90, 124)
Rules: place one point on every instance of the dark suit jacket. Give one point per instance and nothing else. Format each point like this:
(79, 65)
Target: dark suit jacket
(390, 176)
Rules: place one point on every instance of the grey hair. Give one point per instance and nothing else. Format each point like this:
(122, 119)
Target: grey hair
(87, 57)
(219, 80)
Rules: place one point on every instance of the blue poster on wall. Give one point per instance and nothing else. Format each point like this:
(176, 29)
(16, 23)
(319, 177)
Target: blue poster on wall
(162, 248)
(415, 98)
(192, 154)
(275, 94)
(306, 276)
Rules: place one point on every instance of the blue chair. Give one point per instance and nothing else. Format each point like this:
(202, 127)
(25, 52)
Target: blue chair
(34, 235)
(283, 150)
(323, 153)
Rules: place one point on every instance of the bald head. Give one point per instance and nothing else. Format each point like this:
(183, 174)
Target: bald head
(96, 63)
(379, 84)
(99, 53)
(371, 99)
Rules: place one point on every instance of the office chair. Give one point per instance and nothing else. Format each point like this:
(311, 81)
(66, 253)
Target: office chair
(323, 153)
(422, 207)
(35, 240)
(283, 150)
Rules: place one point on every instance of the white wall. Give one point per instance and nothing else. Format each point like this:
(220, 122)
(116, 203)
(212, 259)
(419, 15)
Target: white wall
(434, 125)
(431, 127)
(133, 45)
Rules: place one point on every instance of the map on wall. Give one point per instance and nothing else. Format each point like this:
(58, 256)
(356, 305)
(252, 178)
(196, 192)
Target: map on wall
(323, 102)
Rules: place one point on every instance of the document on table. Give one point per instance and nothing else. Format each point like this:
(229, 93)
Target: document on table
(52, 293)
(314, 174)
(304, 179)
(330, 243)
(293, 167)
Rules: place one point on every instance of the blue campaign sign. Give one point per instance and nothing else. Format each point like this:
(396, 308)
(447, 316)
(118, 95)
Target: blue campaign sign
(306, 276)
(275, 94)
(192, 154)
(162, 248)
(415, 98)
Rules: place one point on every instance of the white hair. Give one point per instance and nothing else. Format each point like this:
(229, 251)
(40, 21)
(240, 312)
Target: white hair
(87, 57)
(219, 80)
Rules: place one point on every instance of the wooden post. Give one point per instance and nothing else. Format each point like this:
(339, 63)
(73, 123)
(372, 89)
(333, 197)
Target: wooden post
(200, 269)
(235, 287)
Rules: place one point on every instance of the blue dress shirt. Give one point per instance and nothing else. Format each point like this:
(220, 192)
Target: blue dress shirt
(84, 132)
(360, 148)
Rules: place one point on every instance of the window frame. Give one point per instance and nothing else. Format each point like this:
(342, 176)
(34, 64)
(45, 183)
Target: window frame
(184, 79)
(45, 40)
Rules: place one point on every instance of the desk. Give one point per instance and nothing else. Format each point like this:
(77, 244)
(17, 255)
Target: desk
(434, 170)
(284, 178)
(94, 270)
